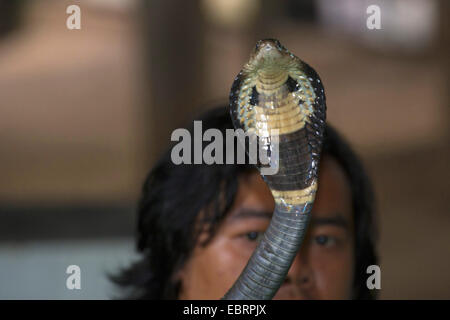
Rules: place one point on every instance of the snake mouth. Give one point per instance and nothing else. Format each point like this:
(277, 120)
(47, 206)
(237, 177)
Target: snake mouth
(269, 42)
(267, 49)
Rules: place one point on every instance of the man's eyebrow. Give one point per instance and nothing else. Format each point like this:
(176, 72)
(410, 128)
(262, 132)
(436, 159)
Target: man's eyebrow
(336, 220)
(250, 213)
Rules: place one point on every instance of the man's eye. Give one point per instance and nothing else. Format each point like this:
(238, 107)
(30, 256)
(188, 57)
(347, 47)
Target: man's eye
(325, 241)
(253, 236)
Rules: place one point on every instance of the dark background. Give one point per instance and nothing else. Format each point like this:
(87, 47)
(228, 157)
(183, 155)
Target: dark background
(85, 113)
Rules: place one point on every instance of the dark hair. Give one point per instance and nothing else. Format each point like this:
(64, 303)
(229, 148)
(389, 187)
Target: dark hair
(177, 200)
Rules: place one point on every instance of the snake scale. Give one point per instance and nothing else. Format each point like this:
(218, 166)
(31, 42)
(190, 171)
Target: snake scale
(275, 90)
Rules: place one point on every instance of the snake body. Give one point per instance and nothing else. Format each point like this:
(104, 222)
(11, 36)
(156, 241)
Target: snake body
(277, 92)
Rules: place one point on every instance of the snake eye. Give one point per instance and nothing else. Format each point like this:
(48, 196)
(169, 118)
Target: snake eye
(279, 46)
(258, 45)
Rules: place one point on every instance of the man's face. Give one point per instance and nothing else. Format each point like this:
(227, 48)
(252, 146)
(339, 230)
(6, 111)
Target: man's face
(323, 268)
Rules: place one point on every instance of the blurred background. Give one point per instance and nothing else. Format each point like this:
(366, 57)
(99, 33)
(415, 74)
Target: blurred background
(85, 113)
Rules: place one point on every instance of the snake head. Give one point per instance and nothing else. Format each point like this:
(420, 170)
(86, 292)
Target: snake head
(267, 47)
(278, 97)
(269, 54)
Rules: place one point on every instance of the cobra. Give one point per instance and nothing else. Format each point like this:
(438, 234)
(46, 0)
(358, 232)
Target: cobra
(281, 99)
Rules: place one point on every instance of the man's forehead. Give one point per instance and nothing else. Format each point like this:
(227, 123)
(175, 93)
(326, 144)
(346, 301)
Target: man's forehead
(333, 219)
(334, 197)
(333, 201)
(249, 212)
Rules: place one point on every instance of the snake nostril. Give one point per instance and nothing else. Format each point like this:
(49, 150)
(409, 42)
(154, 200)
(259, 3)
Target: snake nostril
(259, 44)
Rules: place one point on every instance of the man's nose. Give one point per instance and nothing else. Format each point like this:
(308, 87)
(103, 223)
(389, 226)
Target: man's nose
(300, 273)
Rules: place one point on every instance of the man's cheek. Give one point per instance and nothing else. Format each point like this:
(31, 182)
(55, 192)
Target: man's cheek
(227, 262)
(333, 277)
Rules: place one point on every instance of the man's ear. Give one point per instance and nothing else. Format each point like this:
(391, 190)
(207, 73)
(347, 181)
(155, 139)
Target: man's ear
(178, 279)
(178, 275)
